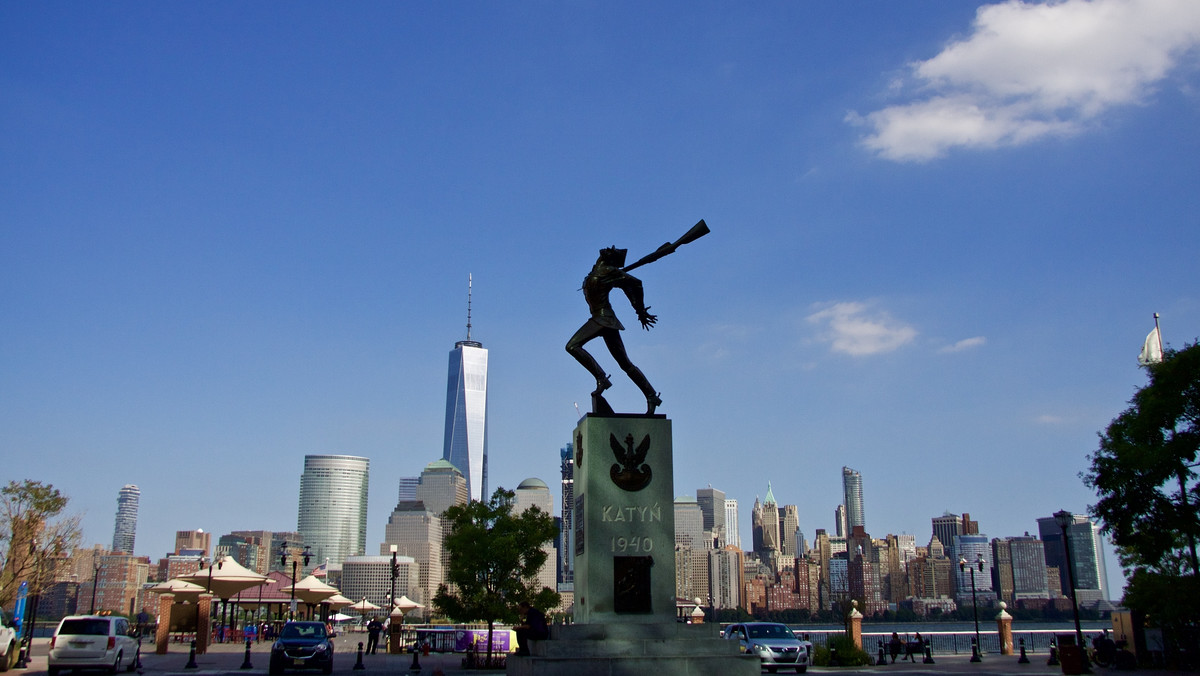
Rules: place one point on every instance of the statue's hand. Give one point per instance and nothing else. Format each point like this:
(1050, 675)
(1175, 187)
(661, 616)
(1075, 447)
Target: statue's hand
(646, 318)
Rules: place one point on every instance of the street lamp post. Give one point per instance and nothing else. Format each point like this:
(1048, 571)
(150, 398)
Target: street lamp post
(208, 587)
(1064, 519)
(395, 574)
(962, 566)
(95, 583)
(283, 557)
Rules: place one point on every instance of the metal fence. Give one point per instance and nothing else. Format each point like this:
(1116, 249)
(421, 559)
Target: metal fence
(949, 642)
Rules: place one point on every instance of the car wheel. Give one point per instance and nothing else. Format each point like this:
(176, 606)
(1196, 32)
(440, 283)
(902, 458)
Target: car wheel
(9, 660)
(276, 667)
(328, 668)
(116, 665)
(52, 671)
(137, 657)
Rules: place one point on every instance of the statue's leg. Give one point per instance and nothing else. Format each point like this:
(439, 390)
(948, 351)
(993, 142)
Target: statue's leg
(617, 347)
(575, 349)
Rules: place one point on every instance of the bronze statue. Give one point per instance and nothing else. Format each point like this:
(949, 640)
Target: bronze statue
(610, 272)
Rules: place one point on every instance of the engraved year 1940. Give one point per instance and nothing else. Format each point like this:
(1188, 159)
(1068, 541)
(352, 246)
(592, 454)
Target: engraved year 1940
(636, 544)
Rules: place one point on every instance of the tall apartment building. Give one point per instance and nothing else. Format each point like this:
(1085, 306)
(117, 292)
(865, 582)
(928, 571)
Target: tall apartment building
(1019, 569)
(972, 548)
(534, 492)
(125, 528)
(333, 507)
(119, 583)
(789, 525)
(566, 549)
(193, 541)
(852, 493)
(733, 533)
(725, 571)
(712, 507)
(1087, 557)
(251, 549)
(465, 443)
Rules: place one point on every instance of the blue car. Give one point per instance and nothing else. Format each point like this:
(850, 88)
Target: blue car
(302, 645)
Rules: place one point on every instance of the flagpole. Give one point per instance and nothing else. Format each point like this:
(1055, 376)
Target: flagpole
(1159, 332)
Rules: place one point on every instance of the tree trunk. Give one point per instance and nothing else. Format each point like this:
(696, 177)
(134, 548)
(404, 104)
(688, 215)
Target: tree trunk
(491, 624)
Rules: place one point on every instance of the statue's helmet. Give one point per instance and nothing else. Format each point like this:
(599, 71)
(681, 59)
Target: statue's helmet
(613, 256)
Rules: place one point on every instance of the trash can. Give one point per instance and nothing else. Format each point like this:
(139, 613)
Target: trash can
(1070, 655)
(395, 647)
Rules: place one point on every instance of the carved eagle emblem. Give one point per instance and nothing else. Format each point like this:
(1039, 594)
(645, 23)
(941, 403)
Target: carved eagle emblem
(630, 473)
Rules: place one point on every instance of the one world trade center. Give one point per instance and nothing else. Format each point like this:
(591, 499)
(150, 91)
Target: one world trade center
(465, 444)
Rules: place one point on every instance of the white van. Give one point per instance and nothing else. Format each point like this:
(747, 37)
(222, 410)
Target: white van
(93, 642)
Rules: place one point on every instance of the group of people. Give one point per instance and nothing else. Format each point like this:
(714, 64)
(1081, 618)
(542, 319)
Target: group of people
(911, 649)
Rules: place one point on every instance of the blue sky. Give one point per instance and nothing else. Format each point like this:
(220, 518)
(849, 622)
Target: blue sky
(232, 235)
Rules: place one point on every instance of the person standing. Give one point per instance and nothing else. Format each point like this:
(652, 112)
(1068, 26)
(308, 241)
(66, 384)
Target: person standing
(373, 629)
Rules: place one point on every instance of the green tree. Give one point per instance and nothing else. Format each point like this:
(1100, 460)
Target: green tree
(33, 532)
(1145, 475)
(494, 559)
(1145, 470)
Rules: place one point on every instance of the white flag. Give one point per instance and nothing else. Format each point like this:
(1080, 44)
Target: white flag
(1151, 349)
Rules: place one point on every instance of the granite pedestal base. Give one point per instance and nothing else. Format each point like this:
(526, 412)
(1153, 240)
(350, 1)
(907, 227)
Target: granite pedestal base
(671, 649)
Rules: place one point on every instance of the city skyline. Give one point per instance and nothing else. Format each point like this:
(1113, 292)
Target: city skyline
(939, 234)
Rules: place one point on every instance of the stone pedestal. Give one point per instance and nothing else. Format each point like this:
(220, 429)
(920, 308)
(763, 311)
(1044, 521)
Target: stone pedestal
(624, 520)
(636, 649)
(162, 634)
(625, 566)
(856, 625)
(1004, 629)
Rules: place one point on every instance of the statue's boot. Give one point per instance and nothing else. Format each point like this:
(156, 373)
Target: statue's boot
(653, 401)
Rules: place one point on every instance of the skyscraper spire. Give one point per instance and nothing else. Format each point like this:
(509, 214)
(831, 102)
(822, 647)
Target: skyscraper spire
(468, 306)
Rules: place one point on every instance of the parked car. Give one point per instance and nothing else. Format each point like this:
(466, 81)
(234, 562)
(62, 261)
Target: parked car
(774, 644)
(93, 642)
(10, 642)
(302, 645)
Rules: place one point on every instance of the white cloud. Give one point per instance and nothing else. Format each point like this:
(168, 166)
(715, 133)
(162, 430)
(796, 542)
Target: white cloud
(964, 344)
(1049, 419)
(855, 329)
(1031, 70)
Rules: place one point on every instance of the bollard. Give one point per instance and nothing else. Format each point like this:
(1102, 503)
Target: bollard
(246, 662)
(416, 663)
(882, 660)
(23, 655)
(975, 651)
(1024, 659)
(1053, 661)
(928, 653)
(191, 663)
(358, 666)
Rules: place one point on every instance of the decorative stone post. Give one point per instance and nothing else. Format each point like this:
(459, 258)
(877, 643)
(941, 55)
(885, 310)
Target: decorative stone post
(162, 634)
(203, 623)
(1004, 628)
(856, 625)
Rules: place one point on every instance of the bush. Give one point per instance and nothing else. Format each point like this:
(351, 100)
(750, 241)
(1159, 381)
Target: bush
(848, 654)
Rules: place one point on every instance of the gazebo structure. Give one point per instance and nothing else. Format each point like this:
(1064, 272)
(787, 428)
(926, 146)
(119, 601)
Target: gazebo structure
(225, 579)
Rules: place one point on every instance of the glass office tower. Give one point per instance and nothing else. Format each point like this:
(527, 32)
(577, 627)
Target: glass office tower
(333, 507)
(465, 444)
(852, 491)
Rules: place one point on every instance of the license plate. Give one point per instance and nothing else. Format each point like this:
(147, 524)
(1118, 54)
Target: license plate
(298, 663)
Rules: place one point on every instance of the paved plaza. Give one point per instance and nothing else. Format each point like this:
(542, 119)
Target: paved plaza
(227, 659)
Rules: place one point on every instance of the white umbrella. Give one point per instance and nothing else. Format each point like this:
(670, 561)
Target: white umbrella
(225, 578)
(363, 606)
(183, 591)
(311, 590)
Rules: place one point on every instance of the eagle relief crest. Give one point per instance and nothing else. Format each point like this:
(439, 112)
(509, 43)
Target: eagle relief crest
(630, 473)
